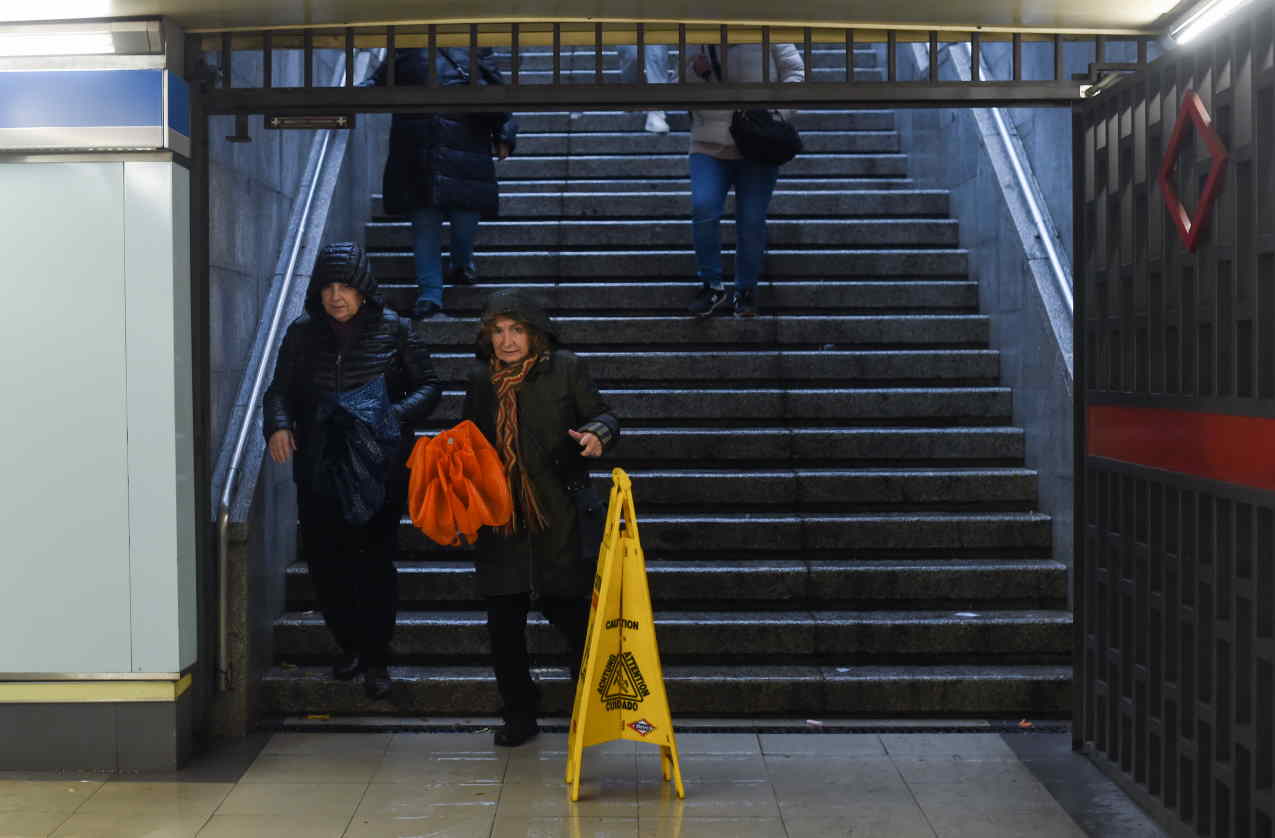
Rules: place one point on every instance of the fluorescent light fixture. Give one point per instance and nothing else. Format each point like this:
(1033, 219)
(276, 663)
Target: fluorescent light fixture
(136, 37)
(1203, 17)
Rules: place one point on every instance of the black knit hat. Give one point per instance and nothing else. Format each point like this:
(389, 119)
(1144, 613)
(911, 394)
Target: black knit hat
(516, 304)
(343, 262)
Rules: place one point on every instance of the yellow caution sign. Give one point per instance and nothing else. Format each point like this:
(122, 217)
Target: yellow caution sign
(620, 694)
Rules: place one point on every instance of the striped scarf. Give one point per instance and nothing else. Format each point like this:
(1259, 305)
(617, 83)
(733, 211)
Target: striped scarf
(507, 380)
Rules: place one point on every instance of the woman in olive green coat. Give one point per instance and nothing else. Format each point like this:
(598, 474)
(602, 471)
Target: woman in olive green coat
(538, 406)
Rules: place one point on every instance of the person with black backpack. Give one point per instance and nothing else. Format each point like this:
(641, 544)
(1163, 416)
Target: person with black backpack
(440, 168)
(744, 149)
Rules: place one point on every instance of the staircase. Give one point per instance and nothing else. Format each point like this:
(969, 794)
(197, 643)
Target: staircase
(833, 503)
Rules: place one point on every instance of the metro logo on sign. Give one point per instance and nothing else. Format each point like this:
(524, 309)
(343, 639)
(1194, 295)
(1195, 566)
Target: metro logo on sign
(1193, 113)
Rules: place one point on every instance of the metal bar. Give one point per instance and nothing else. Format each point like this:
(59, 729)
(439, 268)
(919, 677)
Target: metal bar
(1080, 558)
(307, 50)
(934, 56)
(892, 56)
(1018, 56)
(1100, 49)
(431, 56)
(474, 73)
(765, 51)
(391, 55)
(681, 53)
(1058, 57)
(724, 48)
(598, 77)
(1142, 50)
(850, 71)
(349, 57)
(513, 54)
(557, 54)
(976, 57)
(809, 54)
(267, 60)
(227, 77)
(641, 52)
(727, 96)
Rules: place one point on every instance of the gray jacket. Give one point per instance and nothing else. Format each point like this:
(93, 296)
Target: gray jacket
(743, 64)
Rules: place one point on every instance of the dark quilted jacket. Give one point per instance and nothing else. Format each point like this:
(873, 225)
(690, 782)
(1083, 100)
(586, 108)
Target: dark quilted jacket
(311, 362)
(443, 159)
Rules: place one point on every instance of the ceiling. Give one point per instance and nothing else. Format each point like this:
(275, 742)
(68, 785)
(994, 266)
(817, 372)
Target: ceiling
(1067, 15)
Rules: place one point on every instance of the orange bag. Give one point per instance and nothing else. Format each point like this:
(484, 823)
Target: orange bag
(457, 485)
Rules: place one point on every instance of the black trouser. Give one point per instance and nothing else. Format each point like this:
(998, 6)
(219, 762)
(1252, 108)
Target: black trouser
(507, 627)
(353, 573)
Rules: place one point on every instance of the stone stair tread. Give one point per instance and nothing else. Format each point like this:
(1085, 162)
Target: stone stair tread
(683, 671)
(478, 619)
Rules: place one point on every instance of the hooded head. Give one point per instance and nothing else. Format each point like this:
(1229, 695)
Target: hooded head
(521, 307)
(346, 263)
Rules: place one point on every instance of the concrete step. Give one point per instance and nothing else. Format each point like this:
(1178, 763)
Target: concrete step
(844, 332)
(794, 368)
(530, 123)
(662, 233)
(726, 584)
(849, 688)
(679, 142)
(823, 263)
(674, 165)
(711, 635)
(852, 535)
(671, 298)
(621, 185)
(841, 204)
(951, 405)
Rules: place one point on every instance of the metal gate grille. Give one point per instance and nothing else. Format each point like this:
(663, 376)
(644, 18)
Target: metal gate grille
(1175, 582)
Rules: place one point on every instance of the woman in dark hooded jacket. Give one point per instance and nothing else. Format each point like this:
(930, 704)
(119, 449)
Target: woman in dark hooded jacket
(440, 168)
(538, 406)
(351, 376)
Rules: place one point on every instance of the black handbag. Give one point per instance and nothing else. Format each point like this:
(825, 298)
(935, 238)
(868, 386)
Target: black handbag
(761, 135)
(591, 517)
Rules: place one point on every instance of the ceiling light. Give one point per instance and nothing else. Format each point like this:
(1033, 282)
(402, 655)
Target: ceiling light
(57, 43)
(1203, 17)
(111, 37)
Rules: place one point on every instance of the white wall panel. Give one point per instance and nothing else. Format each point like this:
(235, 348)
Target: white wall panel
(64, 557)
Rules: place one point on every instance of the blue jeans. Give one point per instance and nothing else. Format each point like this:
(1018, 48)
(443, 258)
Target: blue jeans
(657, 69)
(427, 235)
(754, 183)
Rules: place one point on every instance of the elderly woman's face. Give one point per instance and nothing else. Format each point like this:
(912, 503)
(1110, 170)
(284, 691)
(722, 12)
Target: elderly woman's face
(509, 340)
(340, 301)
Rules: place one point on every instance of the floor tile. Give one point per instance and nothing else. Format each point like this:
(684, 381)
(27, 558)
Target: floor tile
(571, 827)
(410, 800)
(1044, 822)
(273, 826)
(312, 768)
(613, 767)
(319, 799)
(984, 796)
(824, 744)
(688, 827)
(443, 822)
(440, 769)
(704, 767)
(598, 798)
(970, 745)
(136, 825)
(920, 770)
(176, 800)
(839, 799)
(867, 772)
(717, 743)
(444, 743)
(721, 798)
(46, 795)
(873, 823)
(296, 744)
(30, 824)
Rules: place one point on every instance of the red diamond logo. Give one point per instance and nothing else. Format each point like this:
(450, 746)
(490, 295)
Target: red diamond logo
(1194, 113)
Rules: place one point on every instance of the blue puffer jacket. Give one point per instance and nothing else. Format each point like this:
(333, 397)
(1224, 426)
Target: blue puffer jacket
(443, 159)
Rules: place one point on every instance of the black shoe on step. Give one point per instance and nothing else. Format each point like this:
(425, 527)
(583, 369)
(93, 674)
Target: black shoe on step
(377, 683)
(745, 303)
(462, 276)
(347, 667)
(425, 310)
(515, 732)
(706, 300)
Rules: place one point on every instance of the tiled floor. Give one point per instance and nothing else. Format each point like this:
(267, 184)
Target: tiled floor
(738, 785)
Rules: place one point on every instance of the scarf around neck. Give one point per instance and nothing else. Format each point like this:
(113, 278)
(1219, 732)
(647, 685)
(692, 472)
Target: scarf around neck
(507, 381)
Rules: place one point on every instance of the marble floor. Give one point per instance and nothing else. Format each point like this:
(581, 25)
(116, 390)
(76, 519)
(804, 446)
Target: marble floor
(458, 785)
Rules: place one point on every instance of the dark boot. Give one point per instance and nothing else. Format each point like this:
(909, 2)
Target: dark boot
(377, 683)
(517, 729)
(347, 667)
(466, 275)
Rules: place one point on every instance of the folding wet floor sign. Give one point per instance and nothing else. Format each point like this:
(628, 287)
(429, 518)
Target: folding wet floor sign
(620, 694)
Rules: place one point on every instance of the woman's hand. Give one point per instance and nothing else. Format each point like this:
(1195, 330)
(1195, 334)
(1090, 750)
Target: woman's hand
(590, 445)
(282, 445)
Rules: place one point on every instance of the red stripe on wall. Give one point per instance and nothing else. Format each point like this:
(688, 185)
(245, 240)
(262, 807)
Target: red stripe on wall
(1215, 446)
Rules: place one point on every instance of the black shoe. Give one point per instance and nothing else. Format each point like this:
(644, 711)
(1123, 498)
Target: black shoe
(516, 731)
(347, 667)
(377, 683)
(425, 310)
(467, 275)
(706, 300)
(745, 304)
